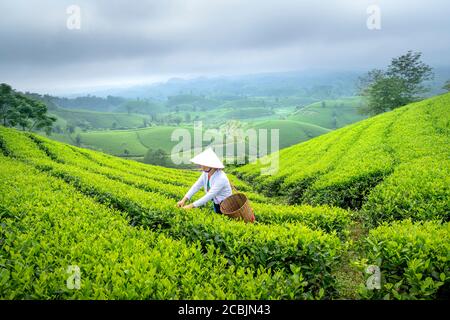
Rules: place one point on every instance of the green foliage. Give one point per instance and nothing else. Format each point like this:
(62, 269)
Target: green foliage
(393, 166)
(287, 247)
(88, 102)
(47, 226)
(100, 120)
(399, 85)
(418, 190)
(383, 93)
(136, 141)
(413, 259)
(330, 114)
(156, 157)
(290, 132)
(447, 86)
(17, 110)
(325, 218)
(247, 113)
(98, 207)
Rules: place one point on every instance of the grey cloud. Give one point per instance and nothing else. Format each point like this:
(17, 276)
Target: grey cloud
(131, 40)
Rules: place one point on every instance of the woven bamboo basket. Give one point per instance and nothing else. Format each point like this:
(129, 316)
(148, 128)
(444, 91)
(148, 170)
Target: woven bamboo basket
(237, 206)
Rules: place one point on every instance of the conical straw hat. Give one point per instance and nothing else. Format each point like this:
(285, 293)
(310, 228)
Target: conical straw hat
(208, 158)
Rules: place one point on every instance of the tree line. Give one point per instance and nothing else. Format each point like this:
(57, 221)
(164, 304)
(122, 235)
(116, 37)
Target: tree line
(20, 111)
(401, 83)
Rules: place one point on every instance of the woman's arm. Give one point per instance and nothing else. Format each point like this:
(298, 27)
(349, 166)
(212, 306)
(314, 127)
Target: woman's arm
(218, 185)
(193, 190)
(195, 187)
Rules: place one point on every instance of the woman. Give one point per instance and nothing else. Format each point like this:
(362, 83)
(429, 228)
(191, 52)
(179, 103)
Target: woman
(213, 180)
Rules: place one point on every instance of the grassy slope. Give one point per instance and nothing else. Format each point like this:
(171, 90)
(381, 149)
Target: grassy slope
(301, 126)
(291, 132)
(135, 141)
(376, 164)
(247, 113)
(393, 170)
(91, 186)
(101, 120)
(335, 114)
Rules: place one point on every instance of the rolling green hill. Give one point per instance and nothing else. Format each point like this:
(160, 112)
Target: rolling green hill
(135, 141)
(247, 113)
(380, 165)
(331, 114)
(393, 172)
(291, 132)
(100, 120)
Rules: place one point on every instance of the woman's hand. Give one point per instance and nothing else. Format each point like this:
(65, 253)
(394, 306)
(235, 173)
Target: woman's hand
(181, 202)
(189, 206)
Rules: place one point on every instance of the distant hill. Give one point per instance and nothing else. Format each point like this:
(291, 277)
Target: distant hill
(291, 132)
(100, 120)
(391, 166)
(136, 142)
(314, 84)
(331, 114)
(311, 85)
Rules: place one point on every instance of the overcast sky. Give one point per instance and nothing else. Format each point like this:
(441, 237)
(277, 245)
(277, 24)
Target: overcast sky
(121, 43)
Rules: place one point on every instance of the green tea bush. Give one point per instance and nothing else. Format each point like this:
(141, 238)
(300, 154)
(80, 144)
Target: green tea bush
(325, 218)
(316, 253)
(414, 260)
(47, 226)
(419, 190)
(392, 166)
(280, 247)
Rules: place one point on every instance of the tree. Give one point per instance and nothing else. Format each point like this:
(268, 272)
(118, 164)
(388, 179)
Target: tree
(334, 115)
(401, 83)
(70, 128)
(447, 85)
(58, 129)
(17, 109)
(177, 120)
(8, 111)
(33, 115)
(156, 157)
(78, 140)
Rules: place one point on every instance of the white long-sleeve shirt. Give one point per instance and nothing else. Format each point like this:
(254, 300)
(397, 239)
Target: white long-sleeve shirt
(220, 188)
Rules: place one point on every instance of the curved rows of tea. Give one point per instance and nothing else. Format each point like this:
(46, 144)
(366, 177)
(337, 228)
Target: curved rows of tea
(136, 170)
(414, 260)
(320, 217)
(394, 168)
(288, 246)
(371, 164)
(48, 226)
